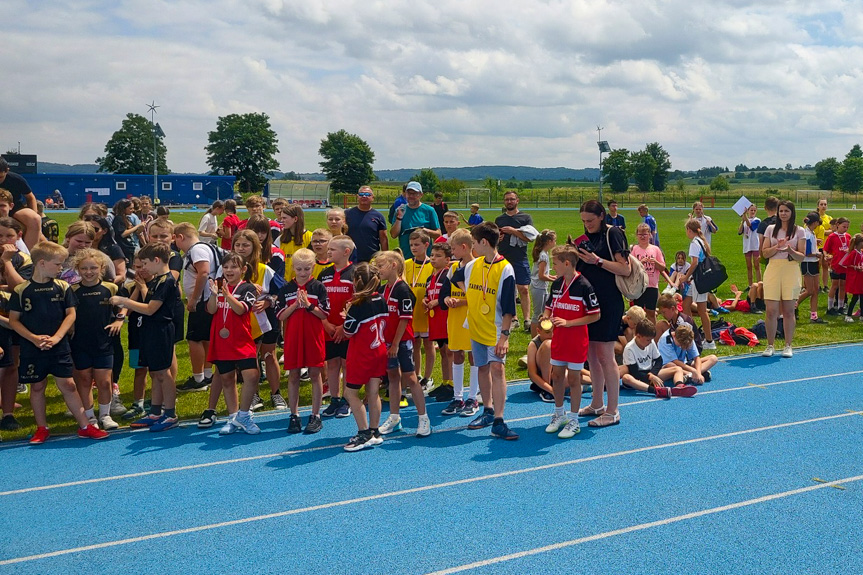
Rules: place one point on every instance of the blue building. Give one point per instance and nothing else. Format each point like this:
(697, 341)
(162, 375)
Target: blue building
(110, 188)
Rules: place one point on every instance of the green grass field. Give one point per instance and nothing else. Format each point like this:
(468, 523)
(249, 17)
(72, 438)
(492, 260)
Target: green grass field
(726, 245)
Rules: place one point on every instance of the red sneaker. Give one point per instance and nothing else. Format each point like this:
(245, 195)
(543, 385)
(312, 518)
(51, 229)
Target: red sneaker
(92, 432)
(681, 390)
(41, 435)
(663, 392)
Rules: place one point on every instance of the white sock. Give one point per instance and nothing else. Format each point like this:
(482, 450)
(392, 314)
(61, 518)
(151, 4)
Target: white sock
(458, 380)
(104, 409)
(208, 372)
(559, 410)
(232, 415)
(139, 403)
(243, 414)
(89, 413)
(830, 301)
(474, 383)
(199, 377)
(573, 416)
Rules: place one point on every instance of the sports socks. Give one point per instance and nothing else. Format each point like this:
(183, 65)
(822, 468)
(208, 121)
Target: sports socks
(458, 380)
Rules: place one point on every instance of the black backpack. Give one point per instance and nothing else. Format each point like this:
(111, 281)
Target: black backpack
(709, 273)
(218, 254)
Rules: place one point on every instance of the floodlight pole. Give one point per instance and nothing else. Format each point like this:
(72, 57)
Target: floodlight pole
(603, 147)
(153, 126)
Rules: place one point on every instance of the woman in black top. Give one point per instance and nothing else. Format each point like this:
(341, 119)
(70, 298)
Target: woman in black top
(599, 264)
(124, 231)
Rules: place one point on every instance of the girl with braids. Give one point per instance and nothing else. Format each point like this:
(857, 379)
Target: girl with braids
(294, 235)
(367, 354)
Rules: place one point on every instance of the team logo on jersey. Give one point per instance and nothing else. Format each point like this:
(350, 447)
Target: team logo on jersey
(409, 306)
(593, 301)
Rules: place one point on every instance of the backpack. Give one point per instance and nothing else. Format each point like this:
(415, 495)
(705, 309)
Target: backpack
(218, 254)
(634, 285)
(709, 273)
(738, 335)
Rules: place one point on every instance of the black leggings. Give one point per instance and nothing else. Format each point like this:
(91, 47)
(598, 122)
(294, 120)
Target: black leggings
(119, 358)
(852, 303)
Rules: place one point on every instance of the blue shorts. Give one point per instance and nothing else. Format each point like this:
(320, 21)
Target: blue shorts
(133, 359)
(404, 360)
(522, 272)
(484, 354)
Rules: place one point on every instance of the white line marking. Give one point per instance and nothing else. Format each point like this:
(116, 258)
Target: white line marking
(423, 488)
(339, 445)
(643, 526)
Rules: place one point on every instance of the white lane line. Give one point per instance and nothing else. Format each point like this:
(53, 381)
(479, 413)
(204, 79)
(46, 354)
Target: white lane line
(424, 488)
(339, 445)
(643, 526)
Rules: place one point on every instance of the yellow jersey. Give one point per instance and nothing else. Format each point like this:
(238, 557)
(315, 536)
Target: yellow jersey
(290, 249)
(490, 292)
(417, 276)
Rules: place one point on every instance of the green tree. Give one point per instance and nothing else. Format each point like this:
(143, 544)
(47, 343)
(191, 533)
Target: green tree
(451, 187)
(720, 184)
(428, 180)
(347, 161)
(130, 149)
(826, 173)
(663, 165)
(851, 175)
(643, 167)
(855, 152)
(246, 146)
(616, 170)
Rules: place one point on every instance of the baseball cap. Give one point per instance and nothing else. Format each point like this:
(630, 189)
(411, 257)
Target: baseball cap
(415, 186)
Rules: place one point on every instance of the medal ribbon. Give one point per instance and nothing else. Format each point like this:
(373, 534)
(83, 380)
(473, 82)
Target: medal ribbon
(565, 291)
(415, 276)
(228, 306)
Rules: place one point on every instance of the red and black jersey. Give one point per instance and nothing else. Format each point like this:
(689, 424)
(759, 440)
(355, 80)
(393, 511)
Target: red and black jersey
(277, 261)
(365, 324)
(239, 344)
(304, 332)
(573, 301)
(437, 315)
(838, 245)
(400, 302)
(340, 290)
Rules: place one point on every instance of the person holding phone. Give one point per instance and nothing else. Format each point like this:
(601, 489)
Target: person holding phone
(412, 216)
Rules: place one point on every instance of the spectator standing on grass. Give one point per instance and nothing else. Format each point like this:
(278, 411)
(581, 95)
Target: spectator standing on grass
(748, 228)
(612, 218)
(413, 215)
(821, 232)
(439, 206)
(784, 244)
(366, 226)
(708, 226)
(230, 225)
(208, 229)
(653, 260)
(646, 218)
(516, 232)
(770, 206)
(809, 267)
(605, 255)
(698, 250)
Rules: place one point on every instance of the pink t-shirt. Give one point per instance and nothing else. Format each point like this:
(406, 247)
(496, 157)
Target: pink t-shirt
(641, 254)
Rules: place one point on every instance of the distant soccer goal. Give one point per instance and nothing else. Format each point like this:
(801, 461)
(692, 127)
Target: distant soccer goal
(311, 194)
(481, 196)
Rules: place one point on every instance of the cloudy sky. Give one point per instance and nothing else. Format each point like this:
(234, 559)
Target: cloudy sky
(442, 83)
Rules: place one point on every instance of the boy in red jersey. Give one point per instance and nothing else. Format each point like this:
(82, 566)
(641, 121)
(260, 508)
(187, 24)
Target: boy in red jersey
(303, 306)
(571, 305)
(338, 279)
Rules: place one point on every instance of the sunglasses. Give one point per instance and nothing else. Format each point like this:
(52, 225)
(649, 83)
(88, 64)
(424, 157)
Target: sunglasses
(365, 195)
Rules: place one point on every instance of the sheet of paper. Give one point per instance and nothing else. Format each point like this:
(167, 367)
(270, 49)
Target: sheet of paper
(741, 205)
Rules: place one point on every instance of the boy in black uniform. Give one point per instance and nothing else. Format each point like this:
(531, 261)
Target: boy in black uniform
(157, 335)
(163, 232)
(42, 311)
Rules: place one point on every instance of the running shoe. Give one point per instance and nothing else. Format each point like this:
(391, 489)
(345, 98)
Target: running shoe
(314, 425)
(344, 409)
(707, 376)
(403, 402)
(768, 351)
(455, 406)
(207, 419)
(570, 430)
(304, 374)
(424, 428)
(117, 407)
(682, 390)
(192, 385)
(393, 423)
(134, 411)
(503, 431)
(557, 421)
(92, 432)
(787, 352)
(22, 388)
(484, 420)
(546, 396)
(108, 424)
(278, 402)
(709, 345)
(40, 436)
(246, 423)
(663, 392)
(849, 319)
(9, 423)
(522, 362)
(294, 424)
(471, 407)
(359, 441)
(376, 438)
(817, 320)
(146, 421)
(165, 423)
(332, 408)
(230, 427)
(257, 403)
(427, 384)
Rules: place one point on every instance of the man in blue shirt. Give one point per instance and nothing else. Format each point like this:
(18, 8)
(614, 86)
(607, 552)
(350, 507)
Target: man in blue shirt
(412, 216)
(366, 226)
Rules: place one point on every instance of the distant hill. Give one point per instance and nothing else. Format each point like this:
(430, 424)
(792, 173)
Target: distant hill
(521, 173)
(52, 168)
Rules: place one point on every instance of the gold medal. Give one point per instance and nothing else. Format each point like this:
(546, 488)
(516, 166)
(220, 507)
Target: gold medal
(546, 325)
(224, 333)
(484, 308)
(431, 313)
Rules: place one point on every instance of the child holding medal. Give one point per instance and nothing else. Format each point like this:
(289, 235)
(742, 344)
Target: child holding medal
(232, 348)
(571, 306)
(418, 269)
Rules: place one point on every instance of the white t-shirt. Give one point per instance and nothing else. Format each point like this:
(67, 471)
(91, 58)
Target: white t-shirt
(706, 222)
(197, 253)
(643, 358)
(696, 250)
(811, 246)
(208, 224)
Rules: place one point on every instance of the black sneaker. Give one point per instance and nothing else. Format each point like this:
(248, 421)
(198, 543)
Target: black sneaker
(455, 406)
(832, 311)
(503, 431)
(192, 385)
(332, 408)
(359, 441)
(314, 425)
(443, 393)
(817, 320)
(257, 403)
(295, 425)
(344, 409)
(706, 375)
(9, 423)
(207, 419)
(134, 412)
(546, 396)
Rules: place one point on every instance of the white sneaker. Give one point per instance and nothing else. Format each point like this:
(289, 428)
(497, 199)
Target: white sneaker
(709, 345)
(229, 427)
(393, 423)
(768, 352)
(108, 424)
(849, 319)
(557, 421)
(570, 429)
(376, 439)
(424, 426)
(787, 352)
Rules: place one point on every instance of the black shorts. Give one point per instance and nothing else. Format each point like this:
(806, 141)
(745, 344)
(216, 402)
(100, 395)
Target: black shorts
(179, 321)
(442, 342)
(37, 368)
(336, 350)
(835, 276)
(6, 346)
(17, 207)
(272, 336)
(641, 375)
(229, 365)
(648, 299)
(809, 268)
(198, 326)
(157, 347)
(86, 360)
(356, 386)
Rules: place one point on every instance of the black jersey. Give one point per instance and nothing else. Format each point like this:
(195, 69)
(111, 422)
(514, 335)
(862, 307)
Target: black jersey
(135, 319)
(42, 308)
(94, 314)
(162, 288)
(22, 264)
(18, 187)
